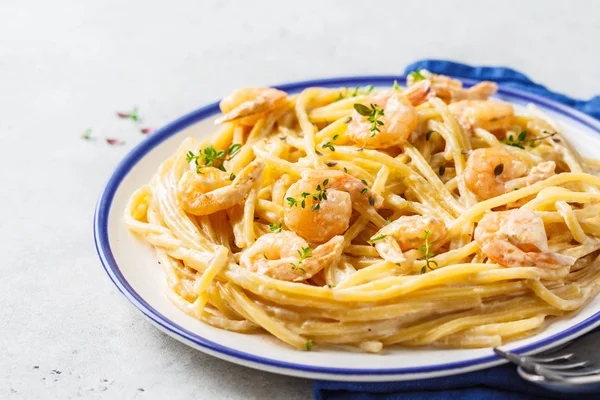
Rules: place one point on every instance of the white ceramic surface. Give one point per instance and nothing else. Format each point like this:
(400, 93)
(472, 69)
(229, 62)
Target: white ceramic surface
(133, 267)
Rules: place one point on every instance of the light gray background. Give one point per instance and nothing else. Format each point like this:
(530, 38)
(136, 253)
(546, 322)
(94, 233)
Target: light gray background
(66, 66)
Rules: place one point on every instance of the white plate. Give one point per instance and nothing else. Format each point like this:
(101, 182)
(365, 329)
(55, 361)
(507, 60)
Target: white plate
(133, 268)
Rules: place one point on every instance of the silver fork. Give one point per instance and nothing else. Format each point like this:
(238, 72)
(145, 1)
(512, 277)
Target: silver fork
(573, 367)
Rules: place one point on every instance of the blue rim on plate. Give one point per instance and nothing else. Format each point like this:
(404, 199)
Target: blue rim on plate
(112, 269)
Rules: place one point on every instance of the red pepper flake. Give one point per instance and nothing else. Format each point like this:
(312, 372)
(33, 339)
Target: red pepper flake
(115, 142)
(123, 115)
(147, 131)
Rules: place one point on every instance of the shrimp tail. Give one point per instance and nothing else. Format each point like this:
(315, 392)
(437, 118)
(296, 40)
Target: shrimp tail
(198, 203)
(322, 256)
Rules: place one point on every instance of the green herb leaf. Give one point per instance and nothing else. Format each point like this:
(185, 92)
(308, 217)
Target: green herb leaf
(428, 135)
(309, 345)
(87, 135)
(376, 238)
(276, 228)
(417, 75)
(363, 110)
(231, 176)
(442, 169)
(396, 86)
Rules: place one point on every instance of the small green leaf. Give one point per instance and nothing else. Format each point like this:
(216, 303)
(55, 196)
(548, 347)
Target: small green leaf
(309, 345)
(376, 238)
(522, 136)
(363, 110)
(396, 86)
(428, 135)
(231, 176)
(417, 75)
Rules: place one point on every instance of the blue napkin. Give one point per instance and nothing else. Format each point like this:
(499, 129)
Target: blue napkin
(501, 382)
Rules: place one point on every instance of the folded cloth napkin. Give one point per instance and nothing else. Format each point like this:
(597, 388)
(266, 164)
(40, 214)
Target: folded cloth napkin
(501, 382)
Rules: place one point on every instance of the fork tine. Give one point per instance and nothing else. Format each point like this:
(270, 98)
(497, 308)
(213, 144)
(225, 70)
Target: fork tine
(563, 357)
(572, 374)
(561, 367)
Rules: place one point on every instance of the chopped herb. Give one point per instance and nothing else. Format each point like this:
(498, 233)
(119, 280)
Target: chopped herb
(231, 176)
(424, 248)
(318, 196)
(371, 201)
(87, 135)
(304, 253)
(442, 169)
(233, 149)
(345, 170)
(331, 164)
(396, 86)
(282, 138)
(516, 189)
(364, 190)
(388, 221)
(318, 153)
(372, 115)
(308, 345)
(276, 228)
(329, 146)
(376, 238)
(417, 75)
(292, 202)
(347, 120)
(428, 135)
(335, 137)
(364, 182)
(521, 139)
(211, 157)
(499, 169)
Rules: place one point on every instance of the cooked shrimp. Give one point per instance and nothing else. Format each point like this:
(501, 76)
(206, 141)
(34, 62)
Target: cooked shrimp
(451, 90)
(399, 118)
(320, 220)
(491, 172)
(407, 233)
(250, 101)
(211, 191)
(517, 238)
(288, 257)
(490, 115)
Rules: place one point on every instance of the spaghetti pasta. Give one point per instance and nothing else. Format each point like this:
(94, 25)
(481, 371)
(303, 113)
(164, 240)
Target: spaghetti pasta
(429, 215)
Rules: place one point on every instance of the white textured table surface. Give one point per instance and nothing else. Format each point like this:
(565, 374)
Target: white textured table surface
(66, 66)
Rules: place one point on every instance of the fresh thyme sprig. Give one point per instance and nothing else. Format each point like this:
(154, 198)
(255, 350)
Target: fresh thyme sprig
(213, 158)
(372, 115)
(329, 144)
(424, 248)
(521, 140)
(318, 196)
(304, 253)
